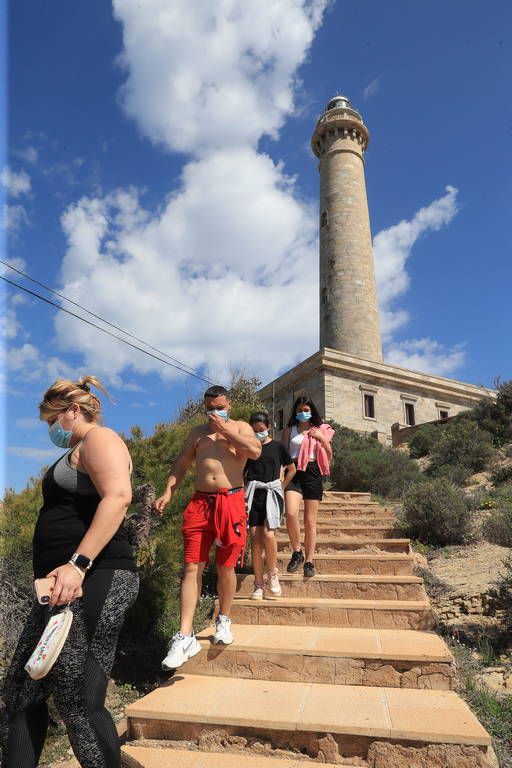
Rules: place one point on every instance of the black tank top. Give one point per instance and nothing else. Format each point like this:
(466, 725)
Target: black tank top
(63, 520)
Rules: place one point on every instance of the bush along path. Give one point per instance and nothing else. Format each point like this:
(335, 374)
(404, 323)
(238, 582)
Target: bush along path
(344, 669)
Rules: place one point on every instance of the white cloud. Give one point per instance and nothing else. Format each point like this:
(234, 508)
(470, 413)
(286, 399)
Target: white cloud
(30, 364)
(28, 423)
(29, 153)
(372, 88)
(213, 75)
(16, 184)
(426, 355)
(205, 278)
(392, 248)
(14, 217)
(36, 454)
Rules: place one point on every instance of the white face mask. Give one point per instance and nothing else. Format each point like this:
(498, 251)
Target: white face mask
(262, 435)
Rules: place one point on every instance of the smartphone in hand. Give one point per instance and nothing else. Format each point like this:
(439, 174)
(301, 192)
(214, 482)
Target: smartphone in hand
(44, 588)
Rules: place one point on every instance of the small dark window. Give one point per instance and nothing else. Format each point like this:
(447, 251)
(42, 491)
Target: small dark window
(443, 415)
(324, 295)
(410, 418)
(369, 406)
(280, 419)
(323, 219)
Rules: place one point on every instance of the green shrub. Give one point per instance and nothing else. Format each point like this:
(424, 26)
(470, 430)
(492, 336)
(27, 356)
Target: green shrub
(361, 463)
(462, 449)
(495, 416)
(502, 475)
(497, 527)
(424, 440)
(436, 512)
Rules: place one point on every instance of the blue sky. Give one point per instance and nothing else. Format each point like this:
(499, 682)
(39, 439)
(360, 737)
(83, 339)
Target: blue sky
(158, 171)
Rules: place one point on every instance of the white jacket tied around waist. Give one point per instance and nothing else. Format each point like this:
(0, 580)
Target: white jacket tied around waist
(274, 489)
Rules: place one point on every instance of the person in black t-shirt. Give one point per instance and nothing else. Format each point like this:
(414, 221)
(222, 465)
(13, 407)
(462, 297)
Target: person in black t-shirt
(265, 502)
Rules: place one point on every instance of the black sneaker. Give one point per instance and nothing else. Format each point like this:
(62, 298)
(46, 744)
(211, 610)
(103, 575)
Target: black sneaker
(309, 569)
(296, 560)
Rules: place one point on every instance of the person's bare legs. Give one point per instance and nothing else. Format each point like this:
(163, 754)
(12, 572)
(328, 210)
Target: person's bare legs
(310, 513)
(257, 542)
(190, 593)
(293, 499)
(226, 588)
(270, 544)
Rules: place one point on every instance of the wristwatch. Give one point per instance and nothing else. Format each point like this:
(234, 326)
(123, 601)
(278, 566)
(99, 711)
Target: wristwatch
(81, 561)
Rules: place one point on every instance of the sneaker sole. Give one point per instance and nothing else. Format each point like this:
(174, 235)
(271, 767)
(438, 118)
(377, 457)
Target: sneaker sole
(222, 642)
(190, 655)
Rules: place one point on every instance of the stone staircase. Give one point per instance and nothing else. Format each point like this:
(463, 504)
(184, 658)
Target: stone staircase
(343, 669)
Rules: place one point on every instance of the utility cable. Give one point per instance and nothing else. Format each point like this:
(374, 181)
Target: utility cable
(98, 317)
(104, 330)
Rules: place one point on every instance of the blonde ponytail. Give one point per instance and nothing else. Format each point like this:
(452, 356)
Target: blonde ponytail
(65, 393)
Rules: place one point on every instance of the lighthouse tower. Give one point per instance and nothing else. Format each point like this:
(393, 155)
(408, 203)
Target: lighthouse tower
(349, 312)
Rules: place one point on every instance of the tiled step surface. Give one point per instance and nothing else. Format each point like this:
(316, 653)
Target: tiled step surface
(155, 757)
(332, 544)
(322, 612)
(348, 586)
(288, 713)
(402, 659)
(357, 563)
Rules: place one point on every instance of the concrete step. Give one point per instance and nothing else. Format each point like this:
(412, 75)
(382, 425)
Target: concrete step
(341, 656)
(332, 544)
(348, 586)
(299, 716)
(348, 495)
(379, 562)
(328, 612)
(134, 756)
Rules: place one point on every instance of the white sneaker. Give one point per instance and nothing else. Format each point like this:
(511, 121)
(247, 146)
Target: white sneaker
(258, 592)
(223, 632)
(181, 648)
(273, 584)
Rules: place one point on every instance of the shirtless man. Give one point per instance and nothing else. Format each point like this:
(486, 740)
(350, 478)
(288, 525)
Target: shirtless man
(216, 514)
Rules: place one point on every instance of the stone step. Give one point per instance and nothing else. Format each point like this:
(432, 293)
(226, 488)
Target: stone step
(361, 522)
(329, 612)
(352, 512)
(347, 586)
(332, 544)
(382, 563)
(358, 720)
(341, 656)
(134, 756)
(380, 529)
(348, 495)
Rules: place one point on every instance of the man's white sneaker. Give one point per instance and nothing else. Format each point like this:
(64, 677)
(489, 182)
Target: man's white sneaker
(223, 632)
(258, 593)
(273, 584)
(181, 648)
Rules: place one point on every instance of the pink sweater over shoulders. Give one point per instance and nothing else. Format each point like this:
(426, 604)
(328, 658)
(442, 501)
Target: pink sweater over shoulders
(308, 446)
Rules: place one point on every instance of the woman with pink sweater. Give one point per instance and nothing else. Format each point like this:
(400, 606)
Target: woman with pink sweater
(308, 440)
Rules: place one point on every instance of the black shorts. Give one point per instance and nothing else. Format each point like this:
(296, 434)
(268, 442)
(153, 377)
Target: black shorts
(258, 510)
(308, 482)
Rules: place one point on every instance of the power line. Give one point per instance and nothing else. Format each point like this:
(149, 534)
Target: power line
(98, 317)
(104, 330)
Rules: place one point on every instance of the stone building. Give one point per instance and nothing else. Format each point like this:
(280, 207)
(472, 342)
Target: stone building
(347, 377)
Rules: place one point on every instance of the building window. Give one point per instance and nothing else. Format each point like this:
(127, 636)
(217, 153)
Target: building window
(323, 219)
(324, 296)
(443, 415)
(280, 420)
(410, 418)
(369, 406)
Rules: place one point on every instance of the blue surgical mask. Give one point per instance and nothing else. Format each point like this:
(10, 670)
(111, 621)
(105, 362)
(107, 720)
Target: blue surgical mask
(59, 436)
(303, 415)
(222, 414)
(262, 435)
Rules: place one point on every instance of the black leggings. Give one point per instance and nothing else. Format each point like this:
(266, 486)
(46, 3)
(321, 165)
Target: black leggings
(78, 680)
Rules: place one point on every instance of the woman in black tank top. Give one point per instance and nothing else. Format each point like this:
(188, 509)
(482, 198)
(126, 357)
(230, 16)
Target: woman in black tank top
(80, 541)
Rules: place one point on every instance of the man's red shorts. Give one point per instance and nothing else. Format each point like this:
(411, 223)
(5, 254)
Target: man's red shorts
(201, 527)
